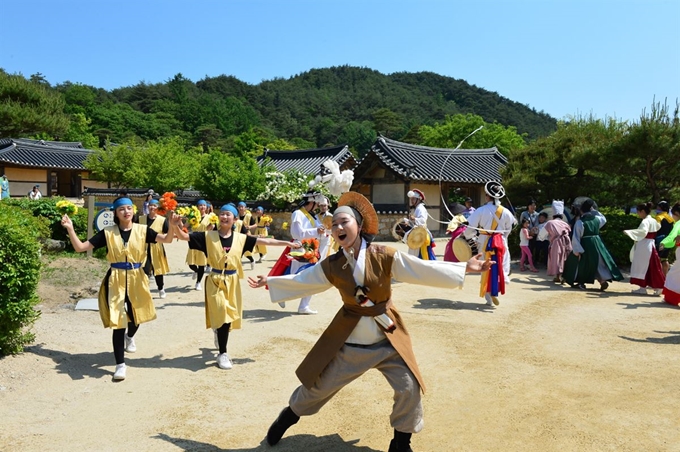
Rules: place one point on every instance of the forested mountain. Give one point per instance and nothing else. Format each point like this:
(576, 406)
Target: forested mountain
(341, 104)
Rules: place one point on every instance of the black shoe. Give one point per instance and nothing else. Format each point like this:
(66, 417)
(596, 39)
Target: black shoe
(401, 442)
(280, 425)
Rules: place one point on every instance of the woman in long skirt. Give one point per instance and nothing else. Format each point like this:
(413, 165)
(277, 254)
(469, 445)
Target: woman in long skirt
(645, 270)
(671, 291)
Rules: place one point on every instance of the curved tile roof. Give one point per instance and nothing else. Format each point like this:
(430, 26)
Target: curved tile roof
(308, 161)
(43, 154)
(430, 164)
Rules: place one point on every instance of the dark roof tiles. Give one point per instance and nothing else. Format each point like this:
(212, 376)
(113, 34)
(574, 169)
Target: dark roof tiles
(43, 154)
(308, 161)
(434, 164)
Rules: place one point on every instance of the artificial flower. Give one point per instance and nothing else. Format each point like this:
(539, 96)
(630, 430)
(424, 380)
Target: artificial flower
(65, 207)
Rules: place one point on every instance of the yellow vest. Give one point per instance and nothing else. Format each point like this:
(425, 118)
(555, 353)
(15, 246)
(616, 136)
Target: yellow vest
(159, 260)
(195, 257)
(223, 303)
(120, 282)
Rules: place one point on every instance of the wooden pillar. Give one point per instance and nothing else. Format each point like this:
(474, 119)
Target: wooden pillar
(90, 220)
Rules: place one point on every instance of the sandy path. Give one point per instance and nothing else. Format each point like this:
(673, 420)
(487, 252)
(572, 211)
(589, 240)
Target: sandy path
(552, 369)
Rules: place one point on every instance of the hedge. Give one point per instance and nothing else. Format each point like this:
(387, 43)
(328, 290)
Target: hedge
(19, 274)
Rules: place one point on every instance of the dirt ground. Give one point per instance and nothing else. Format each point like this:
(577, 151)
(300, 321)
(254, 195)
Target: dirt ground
(550, 369)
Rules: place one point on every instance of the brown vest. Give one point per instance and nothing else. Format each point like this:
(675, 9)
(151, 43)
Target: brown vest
(378, 276)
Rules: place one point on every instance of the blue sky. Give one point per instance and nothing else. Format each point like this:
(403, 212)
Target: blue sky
(605, 57)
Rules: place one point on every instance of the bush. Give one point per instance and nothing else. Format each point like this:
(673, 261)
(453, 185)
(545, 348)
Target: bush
(46, 210)
(19, 275)
(618, 243)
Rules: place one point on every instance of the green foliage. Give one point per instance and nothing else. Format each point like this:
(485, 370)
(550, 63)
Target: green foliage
(47, 219)
(618, 243)
(223, 177)
(456, 128)
(78, 130)
(30, 107)
(19, 275)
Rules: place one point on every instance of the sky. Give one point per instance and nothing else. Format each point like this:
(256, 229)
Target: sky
(606, 58)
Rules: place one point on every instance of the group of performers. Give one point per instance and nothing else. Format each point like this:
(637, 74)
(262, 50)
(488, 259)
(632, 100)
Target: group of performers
(367, 332)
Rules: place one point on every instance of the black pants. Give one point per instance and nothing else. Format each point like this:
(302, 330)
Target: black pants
(199, 270)
(223, 337)
(119, 334)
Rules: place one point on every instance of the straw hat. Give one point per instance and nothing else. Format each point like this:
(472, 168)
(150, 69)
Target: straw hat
(358, 202)
(417, 238)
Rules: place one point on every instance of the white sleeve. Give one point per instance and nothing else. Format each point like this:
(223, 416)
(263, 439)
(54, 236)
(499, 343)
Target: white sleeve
(308, 282)
(639, 233)
(600, 217)
(473, 222)
(576, 237)
(410, 269)
(298, 231)
(420, 215)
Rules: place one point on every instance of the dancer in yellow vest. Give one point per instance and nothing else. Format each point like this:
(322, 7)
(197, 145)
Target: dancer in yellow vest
(245, 220)
(223, 249)
(195, 259)
(157, 261)
(261, 231)
(124, 296)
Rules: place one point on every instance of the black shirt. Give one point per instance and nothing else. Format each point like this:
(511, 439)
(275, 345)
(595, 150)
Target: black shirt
(99, 239)
(197, 242)
(166, 228)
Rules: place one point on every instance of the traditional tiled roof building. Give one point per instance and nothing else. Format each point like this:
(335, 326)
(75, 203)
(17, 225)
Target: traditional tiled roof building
(392, 168)
(54, 165)
(308, 161)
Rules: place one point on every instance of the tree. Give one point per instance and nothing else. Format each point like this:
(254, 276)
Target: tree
(359, 136)
(387, 122)
(226, 177)
(78, 130)
(457, 127)
(30, 108)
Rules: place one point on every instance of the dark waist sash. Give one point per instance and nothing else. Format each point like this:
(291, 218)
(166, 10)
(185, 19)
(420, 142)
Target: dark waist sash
(226, 272)
(372, 311)
(126, 265)
(651, 235)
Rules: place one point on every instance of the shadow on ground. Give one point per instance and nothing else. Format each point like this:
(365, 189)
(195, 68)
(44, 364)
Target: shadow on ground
(294, 443)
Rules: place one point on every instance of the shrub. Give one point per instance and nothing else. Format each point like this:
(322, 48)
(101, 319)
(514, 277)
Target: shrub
(19, 275)
(46, 210)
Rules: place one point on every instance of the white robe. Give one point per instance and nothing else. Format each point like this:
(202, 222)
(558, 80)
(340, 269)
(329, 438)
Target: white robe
(483, 218)
(642, 248)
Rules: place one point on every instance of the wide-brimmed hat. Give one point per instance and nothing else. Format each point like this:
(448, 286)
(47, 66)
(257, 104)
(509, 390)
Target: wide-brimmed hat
(494, 189)
(417, 238)
(456, 208)
(358, 202)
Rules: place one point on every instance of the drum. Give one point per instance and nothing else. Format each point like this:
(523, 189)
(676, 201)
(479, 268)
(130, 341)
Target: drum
(400, 229)
(417, 237)
(327, 222)
(462, 249)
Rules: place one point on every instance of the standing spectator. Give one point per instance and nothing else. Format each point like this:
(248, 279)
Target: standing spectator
(542, 244)
(524, 237)
(145, 206)
(35, 194)
(4, 187)
(326, 242)
(645, 270)
(531, 215)
(557, 231)
(468, 208)
(666, 221)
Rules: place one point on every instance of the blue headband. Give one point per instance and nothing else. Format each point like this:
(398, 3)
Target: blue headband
(201, 202)
(260, 208)
(242, 204)
(154, 202)
(121, 202)
(229, 208)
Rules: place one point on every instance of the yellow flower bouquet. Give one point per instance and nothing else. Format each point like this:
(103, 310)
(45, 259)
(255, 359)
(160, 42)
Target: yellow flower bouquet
(65, 207)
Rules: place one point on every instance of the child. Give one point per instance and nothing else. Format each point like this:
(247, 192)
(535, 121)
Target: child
(368, 331)
(524, 237)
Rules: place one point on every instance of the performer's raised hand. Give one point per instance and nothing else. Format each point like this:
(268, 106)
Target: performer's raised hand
(66, 222)
(477, 265)
(259, 282)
